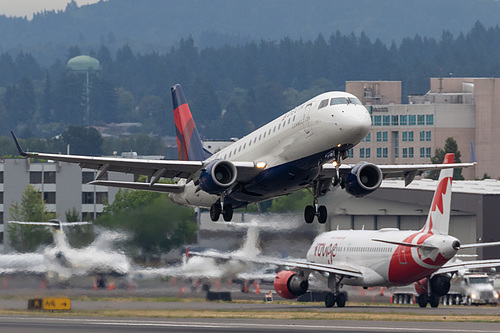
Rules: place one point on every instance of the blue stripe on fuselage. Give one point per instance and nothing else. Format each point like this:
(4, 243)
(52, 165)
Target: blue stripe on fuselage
(279, 180)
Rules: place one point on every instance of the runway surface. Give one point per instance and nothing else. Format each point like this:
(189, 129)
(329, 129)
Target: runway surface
(20, 324)
(96, 306)
(363, 302)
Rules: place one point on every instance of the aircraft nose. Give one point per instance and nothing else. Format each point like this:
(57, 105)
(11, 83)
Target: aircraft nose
(362, 121)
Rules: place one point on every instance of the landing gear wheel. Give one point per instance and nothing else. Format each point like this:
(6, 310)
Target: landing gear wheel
(227, 213)
(309, 214)
(434, 300)
(423, 300)
(215, 212)
(341, 299)
(101, 281)
(322, 214)
(329, 300)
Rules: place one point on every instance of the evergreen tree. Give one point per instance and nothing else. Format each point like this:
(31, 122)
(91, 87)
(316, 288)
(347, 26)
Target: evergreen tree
(450, 146)
(156, 223)
(27, 238)
(83, 140)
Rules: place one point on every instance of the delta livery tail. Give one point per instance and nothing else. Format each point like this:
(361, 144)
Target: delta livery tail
(189, 144)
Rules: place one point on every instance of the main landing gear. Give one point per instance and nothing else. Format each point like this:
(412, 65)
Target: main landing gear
(429, 296)
(335, 296)
(311, 211)
(220, 208)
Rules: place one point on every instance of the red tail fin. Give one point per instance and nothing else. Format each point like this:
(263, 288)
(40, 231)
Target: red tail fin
(438, 220)
(189, 143)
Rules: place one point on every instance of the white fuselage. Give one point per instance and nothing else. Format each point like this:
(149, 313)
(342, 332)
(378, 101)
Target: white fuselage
(383, 264)
(307, 134)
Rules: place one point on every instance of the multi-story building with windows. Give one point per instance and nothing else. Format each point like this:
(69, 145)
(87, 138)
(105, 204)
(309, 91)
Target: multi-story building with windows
(461, 108)
(62, 185)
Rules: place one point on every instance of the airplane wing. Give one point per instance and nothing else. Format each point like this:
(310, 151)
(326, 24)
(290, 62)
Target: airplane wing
(23, 263)
(154, 169)
(467, 265)
(341, 269)
(405, 171)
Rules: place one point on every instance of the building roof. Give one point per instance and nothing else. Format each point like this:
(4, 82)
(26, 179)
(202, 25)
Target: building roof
(487, 186)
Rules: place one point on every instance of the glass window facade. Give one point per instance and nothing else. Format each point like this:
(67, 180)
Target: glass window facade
(429, 119)
(412, 119)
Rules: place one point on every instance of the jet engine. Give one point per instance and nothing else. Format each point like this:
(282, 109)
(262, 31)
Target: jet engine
(363, 179)
(217, 176)
(440, 285)
(288, 285)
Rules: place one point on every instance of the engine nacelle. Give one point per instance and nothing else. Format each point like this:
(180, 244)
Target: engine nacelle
(421, 286)
(288, 285)
(363, 179)
(440, 285)
(217, 176)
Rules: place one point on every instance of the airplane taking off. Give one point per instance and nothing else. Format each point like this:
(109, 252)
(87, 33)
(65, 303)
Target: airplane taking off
(385, 257)
(302, 149)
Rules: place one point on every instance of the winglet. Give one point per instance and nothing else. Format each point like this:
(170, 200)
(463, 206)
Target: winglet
(472, 153)
(21, 151)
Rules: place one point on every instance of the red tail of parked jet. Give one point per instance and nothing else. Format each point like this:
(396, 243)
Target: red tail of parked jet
(438, 219)
(189, 143)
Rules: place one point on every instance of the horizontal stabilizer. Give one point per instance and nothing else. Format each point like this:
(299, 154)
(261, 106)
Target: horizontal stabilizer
(471, 246)
(157, 187)
(52, 223)
(422, 246)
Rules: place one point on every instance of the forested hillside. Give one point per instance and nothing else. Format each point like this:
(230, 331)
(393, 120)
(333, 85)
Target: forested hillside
(157, 25)
(232, 89)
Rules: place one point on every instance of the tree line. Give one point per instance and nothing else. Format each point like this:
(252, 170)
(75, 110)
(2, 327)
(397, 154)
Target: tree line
(232, 89)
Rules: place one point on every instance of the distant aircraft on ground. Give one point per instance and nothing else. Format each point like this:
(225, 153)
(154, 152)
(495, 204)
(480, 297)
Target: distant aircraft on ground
(385, 257)
(302, 149)
(210, 265)
(61, 261)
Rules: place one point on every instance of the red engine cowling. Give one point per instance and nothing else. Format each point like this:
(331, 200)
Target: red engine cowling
(421, 286)
(440, 285)
(288, 285)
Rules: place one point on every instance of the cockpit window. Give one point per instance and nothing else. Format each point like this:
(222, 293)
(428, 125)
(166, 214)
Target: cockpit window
(323, 104)
(339, 101)
(354, 100)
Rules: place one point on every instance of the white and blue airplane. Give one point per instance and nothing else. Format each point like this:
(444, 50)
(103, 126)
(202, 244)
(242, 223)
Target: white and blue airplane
(302, 149)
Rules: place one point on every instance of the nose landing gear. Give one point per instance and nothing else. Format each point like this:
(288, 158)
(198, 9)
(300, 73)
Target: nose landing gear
(320, 187)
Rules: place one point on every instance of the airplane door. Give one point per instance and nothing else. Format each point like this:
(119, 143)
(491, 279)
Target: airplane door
(305, 120)
(402, 250)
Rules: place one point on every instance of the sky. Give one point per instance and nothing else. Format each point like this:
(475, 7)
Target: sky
(29, 7)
